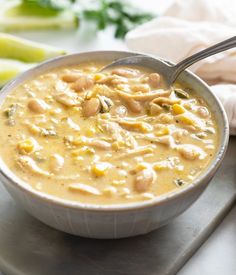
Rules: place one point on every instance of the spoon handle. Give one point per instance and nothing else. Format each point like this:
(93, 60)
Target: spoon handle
(220, 47)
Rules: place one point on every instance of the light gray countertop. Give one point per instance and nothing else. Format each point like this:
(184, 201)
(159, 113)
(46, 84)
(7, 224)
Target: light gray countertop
(217, 255)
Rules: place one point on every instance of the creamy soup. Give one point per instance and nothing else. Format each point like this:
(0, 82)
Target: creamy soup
(106, 138)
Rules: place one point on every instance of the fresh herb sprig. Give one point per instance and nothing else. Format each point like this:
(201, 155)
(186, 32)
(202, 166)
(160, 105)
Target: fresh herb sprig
(121, 15)
(117, 13)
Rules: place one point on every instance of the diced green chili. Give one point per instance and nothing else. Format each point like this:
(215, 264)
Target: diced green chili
(179, 182)
(181, 93)
(166, 106)
(9, 113)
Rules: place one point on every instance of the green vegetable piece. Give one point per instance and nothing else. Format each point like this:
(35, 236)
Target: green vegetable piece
(10, 112)
(49, 5)
(166, 106)
(106, 104)
(200, 135)
(181, 94)
(36, 14)
(179, 182)
(11, 68)
(18, 48)
(121, 15)
(11, 121)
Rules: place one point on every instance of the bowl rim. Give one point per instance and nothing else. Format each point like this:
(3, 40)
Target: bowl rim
(25, 187)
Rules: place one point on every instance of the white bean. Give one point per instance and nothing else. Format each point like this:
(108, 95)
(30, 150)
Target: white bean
(84, 82)
(91, 107)
(37, 106)
(154, 80)
(71, 77)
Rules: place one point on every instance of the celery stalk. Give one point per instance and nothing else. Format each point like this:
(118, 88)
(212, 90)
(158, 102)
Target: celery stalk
(16, 16)
(11, 68)
(28, 51)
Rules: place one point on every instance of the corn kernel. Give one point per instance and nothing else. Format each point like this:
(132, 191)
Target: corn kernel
(142, 127)
(55, 111)
(186, 120)
(49, 98)
(148, 196)
(125, 191)
(105, 116)
(83, 151)
(178, 109)
(90, 132)
(89, 151)
(141, 166)
(77, 159)
(162, 132)
(75, 109)
(26, 146)
(109, 191)
(98, 77)
(118, 182)
(159, 166)
(100, 169)
(76, 152)
(118, 145)
(80, 140)
(34, 129)
(145, 128)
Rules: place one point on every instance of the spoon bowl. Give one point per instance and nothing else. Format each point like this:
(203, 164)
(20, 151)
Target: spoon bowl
(159, 65)
(168, 71)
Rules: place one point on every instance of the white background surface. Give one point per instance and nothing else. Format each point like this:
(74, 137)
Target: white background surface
(218, 255)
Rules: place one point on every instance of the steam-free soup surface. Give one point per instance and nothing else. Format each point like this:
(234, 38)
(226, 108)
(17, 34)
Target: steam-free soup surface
(105, 138)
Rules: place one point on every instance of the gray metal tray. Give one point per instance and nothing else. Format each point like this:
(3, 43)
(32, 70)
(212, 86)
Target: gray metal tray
(28, 247)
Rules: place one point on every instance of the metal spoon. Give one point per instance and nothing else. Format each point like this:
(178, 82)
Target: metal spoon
(170, 71)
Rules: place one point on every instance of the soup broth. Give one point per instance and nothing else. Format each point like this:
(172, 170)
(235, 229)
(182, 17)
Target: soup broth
(105, 138)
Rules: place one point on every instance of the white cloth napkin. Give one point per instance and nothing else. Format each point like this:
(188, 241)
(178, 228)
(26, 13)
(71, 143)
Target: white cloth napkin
(187, 27)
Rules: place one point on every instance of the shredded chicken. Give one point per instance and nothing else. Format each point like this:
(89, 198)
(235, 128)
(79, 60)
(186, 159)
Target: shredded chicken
(138, 126)
(100, 144)
(67, 98)
(191, 152)
(165, 100)
(143, 96)
(28, 164)
(136, 152)
(84, 188)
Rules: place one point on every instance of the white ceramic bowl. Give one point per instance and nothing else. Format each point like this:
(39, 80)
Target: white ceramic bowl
(112, 221)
